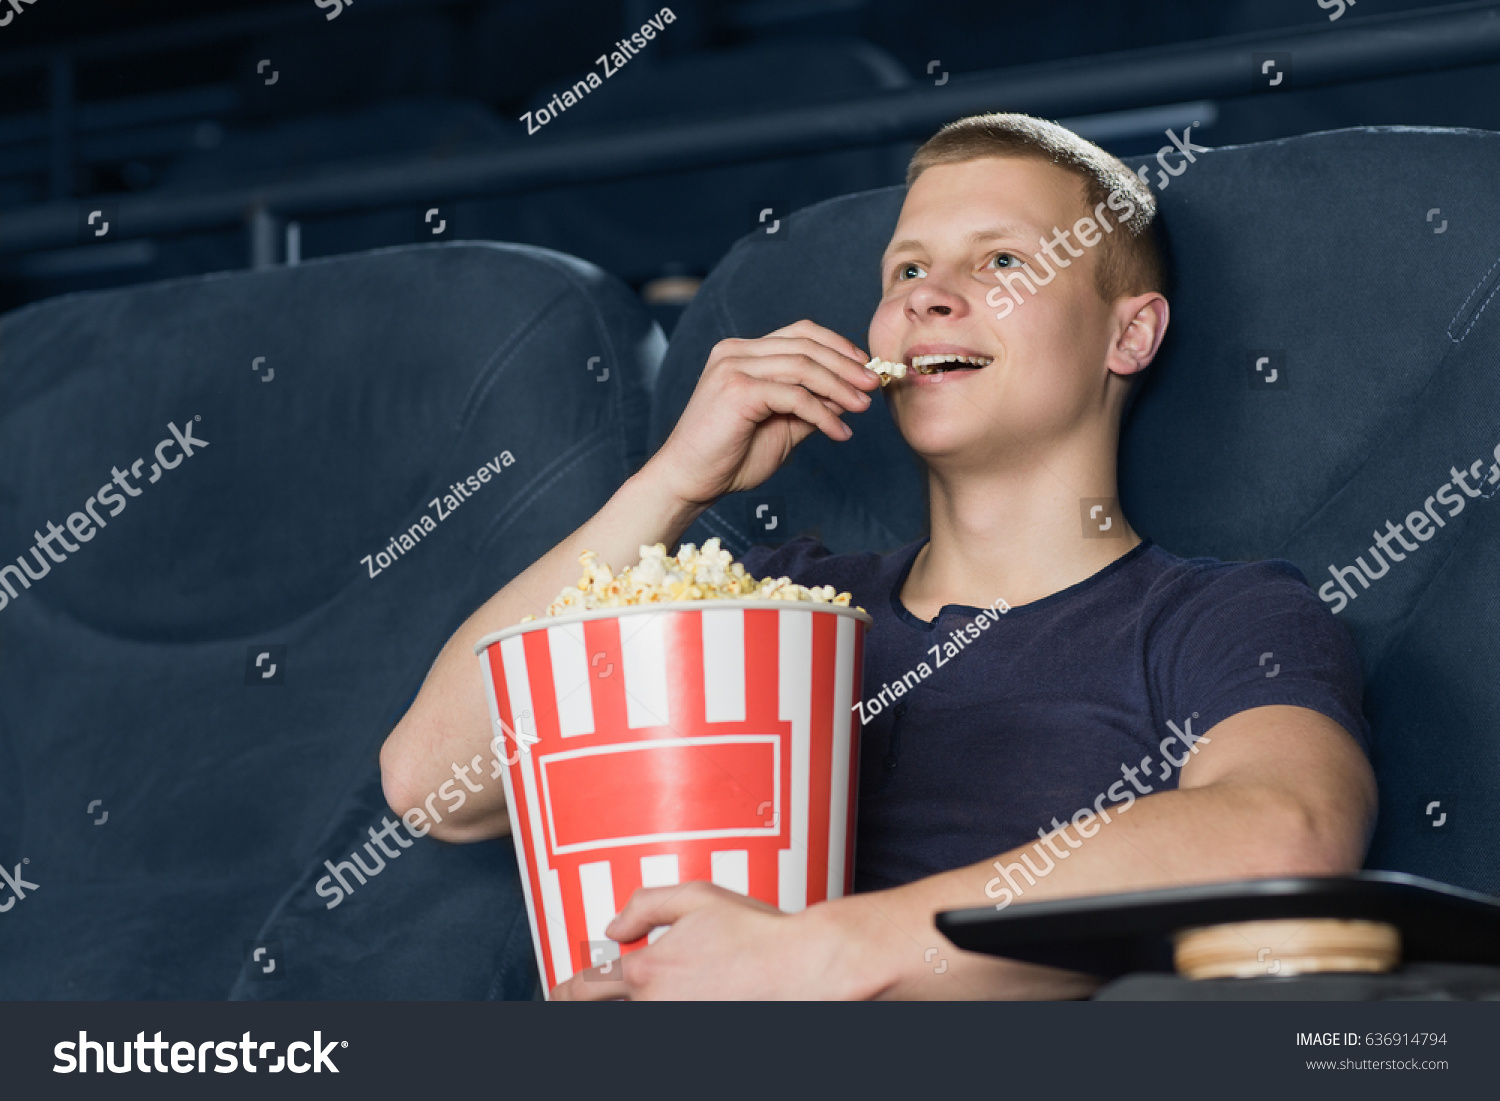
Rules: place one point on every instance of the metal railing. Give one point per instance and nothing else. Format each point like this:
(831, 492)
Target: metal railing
(1354, 49)
(56, 134)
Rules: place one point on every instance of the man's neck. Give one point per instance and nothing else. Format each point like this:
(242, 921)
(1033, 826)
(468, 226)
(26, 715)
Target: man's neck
(1018, 535)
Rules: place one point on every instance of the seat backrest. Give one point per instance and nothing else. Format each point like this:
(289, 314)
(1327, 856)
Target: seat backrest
(386, 439)
(1359, 265)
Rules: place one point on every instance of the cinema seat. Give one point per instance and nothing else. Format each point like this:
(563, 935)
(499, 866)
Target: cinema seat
(1361, 265)
(192, 700)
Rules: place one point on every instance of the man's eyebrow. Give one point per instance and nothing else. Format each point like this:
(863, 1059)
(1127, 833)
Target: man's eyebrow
(974, 237)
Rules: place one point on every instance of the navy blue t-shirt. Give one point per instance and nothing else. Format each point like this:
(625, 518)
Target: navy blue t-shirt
(1020, 717)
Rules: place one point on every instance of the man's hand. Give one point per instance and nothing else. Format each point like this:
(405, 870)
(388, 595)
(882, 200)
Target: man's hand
(720, 945)
(755, 402)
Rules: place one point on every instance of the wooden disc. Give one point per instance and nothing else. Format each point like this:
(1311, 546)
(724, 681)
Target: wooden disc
(1299, 946)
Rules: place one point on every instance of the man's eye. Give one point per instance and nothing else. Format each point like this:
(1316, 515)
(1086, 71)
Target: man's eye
(908, 271)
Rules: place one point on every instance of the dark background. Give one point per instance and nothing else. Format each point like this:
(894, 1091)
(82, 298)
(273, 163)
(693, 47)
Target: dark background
(106, 99)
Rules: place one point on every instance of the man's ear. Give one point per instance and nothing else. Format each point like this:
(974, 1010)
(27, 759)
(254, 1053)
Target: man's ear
(1141, 325)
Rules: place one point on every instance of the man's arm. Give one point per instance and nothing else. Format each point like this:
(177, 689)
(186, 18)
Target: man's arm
(1272, 791)
(448, 723)
(1278, 791)
(756, 400)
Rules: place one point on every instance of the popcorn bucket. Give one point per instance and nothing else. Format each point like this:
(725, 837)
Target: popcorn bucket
(652, 745)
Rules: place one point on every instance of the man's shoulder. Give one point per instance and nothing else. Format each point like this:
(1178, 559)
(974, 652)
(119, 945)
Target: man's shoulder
(1202, 609)
(1173, 581)
(1224, 636)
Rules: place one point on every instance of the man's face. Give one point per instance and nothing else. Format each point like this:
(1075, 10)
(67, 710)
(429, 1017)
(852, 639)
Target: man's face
(962, 227)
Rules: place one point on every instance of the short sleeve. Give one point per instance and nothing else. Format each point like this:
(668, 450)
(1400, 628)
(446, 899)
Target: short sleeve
(1245, 635)
(788, 560)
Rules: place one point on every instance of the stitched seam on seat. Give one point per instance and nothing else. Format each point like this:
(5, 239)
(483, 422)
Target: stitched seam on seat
(712, 519)
(523, 500)
(1477, 316)
(1459, 312)
(602, 331)
(490, 372)
(1414, 403)
(1471, 294)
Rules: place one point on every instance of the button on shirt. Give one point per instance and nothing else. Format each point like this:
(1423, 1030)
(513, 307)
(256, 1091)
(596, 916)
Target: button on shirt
(987, 727)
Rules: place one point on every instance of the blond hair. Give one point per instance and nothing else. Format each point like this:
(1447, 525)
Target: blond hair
(1128, 263)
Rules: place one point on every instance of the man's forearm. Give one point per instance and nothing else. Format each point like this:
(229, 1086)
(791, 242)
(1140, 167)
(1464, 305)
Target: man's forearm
(448, 723)
(1205, 834)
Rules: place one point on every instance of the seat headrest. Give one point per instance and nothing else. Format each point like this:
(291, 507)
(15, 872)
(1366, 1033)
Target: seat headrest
(335, 399)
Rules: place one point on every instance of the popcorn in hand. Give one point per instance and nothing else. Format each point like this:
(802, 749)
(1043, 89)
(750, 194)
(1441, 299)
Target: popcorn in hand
(709, 573)
(886, 370)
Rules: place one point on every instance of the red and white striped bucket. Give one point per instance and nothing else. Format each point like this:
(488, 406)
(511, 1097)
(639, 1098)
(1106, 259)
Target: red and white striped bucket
(654, 745)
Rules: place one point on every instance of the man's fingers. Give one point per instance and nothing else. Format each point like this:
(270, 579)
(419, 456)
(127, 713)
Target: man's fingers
(848, 367)
(652, 906)
(801, 403)
(827, 337)
(798, 370)
(598, 984)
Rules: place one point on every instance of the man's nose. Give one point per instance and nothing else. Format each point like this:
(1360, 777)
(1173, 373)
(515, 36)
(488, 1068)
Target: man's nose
(936, 299)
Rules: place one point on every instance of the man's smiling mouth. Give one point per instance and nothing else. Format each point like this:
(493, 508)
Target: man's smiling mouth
(931, 365)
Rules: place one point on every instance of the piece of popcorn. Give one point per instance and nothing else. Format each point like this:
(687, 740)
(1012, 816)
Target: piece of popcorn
(708, 572)
(886, 370)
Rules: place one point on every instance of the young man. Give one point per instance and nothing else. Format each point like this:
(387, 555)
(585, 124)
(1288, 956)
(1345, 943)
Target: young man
(1117, 728)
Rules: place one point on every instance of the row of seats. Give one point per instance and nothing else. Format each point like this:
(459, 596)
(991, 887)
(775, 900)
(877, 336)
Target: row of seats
(192, 701)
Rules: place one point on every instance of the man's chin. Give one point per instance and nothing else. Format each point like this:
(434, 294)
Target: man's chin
(947, 445)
